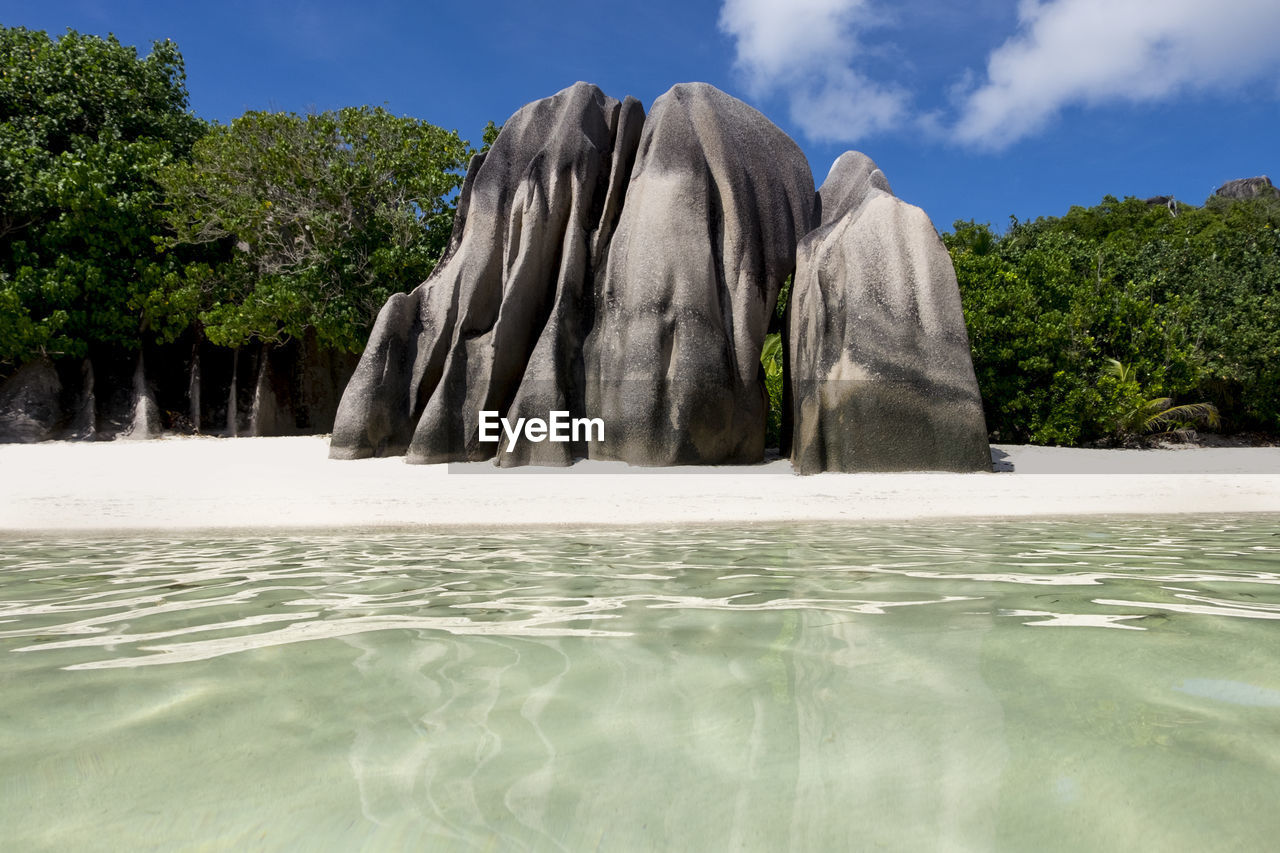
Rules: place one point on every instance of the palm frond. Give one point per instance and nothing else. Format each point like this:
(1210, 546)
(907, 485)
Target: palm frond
(1205, 414)
(1140, 418)
(772, 350)
(1116, 368)
(771, 356)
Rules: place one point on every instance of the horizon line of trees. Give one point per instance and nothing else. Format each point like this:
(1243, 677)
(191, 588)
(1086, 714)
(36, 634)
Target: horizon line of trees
(125, 221)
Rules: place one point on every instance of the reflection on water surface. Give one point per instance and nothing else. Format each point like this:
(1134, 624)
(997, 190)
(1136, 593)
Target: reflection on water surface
(1067, 685)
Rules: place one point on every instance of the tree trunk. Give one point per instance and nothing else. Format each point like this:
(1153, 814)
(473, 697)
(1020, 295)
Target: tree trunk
(84, 424)
(260, 392)
(193, 385)
(232, 425)
(145, 420)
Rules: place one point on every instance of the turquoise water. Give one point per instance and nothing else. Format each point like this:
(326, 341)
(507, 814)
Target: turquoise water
(1032, 685)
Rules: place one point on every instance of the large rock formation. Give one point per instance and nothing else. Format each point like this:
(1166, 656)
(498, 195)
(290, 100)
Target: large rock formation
(540, 306)
(626, 269)
(718, 199)
(880, 371)
(499, 324)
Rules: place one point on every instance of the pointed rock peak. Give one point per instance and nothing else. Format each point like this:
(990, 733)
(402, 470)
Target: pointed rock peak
(853, 178)
(497, 327)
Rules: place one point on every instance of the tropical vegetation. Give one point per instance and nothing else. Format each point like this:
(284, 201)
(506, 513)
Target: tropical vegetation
(86, 125)
(1088, 327)
(128, 222)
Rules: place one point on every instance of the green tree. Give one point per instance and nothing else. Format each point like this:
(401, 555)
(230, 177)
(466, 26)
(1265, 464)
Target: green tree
(490, 135)
(1186, 298)
(319, 218)
(85, 125)
(1229, 262)
(1156, 415)
(771, 361)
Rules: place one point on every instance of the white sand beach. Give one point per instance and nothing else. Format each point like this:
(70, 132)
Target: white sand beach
(289, 483)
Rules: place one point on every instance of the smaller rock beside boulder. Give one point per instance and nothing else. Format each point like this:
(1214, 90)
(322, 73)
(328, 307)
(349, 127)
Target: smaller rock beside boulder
(1246, 188)
(881, 375)
(30, 403)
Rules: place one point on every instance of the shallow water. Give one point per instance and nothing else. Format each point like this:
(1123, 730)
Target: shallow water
(1031, 685)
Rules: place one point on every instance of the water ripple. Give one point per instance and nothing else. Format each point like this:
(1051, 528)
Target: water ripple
(129, 602)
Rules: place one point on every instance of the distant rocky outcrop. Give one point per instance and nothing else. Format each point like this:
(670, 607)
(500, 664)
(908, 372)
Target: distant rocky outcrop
(880, 369)
(1246, 188)
(604, 265)
(1165, 201)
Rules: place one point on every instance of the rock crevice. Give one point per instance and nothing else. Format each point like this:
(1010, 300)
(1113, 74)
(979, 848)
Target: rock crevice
(626, 268)
(604, 264)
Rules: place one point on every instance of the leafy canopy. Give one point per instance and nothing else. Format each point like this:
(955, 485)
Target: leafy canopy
(320, 218)
(1186, 299)
(85, 125)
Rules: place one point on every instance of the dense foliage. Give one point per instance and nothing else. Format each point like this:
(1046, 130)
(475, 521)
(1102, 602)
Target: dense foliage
(85, 125)
(125, 219)
(1184, 301)
(321, 218)
(771, 359)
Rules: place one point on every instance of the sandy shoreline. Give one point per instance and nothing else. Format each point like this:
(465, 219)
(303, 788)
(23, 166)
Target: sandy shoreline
(289, 483)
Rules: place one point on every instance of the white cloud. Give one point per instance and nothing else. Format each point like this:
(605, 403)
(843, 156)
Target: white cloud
(1092, 52)
(846, 107)
(805, 50)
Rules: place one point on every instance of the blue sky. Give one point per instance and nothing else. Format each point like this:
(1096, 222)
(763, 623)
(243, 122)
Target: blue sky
(973, 110)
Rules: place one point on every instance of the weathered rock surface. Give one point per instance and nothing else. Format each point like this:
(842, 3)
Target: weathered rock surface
(1246, 188)
(626, 268)
(557, 296)
(1165, 201)
(30, 403)
(499, 324)
(718, 199)
(880, 368)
